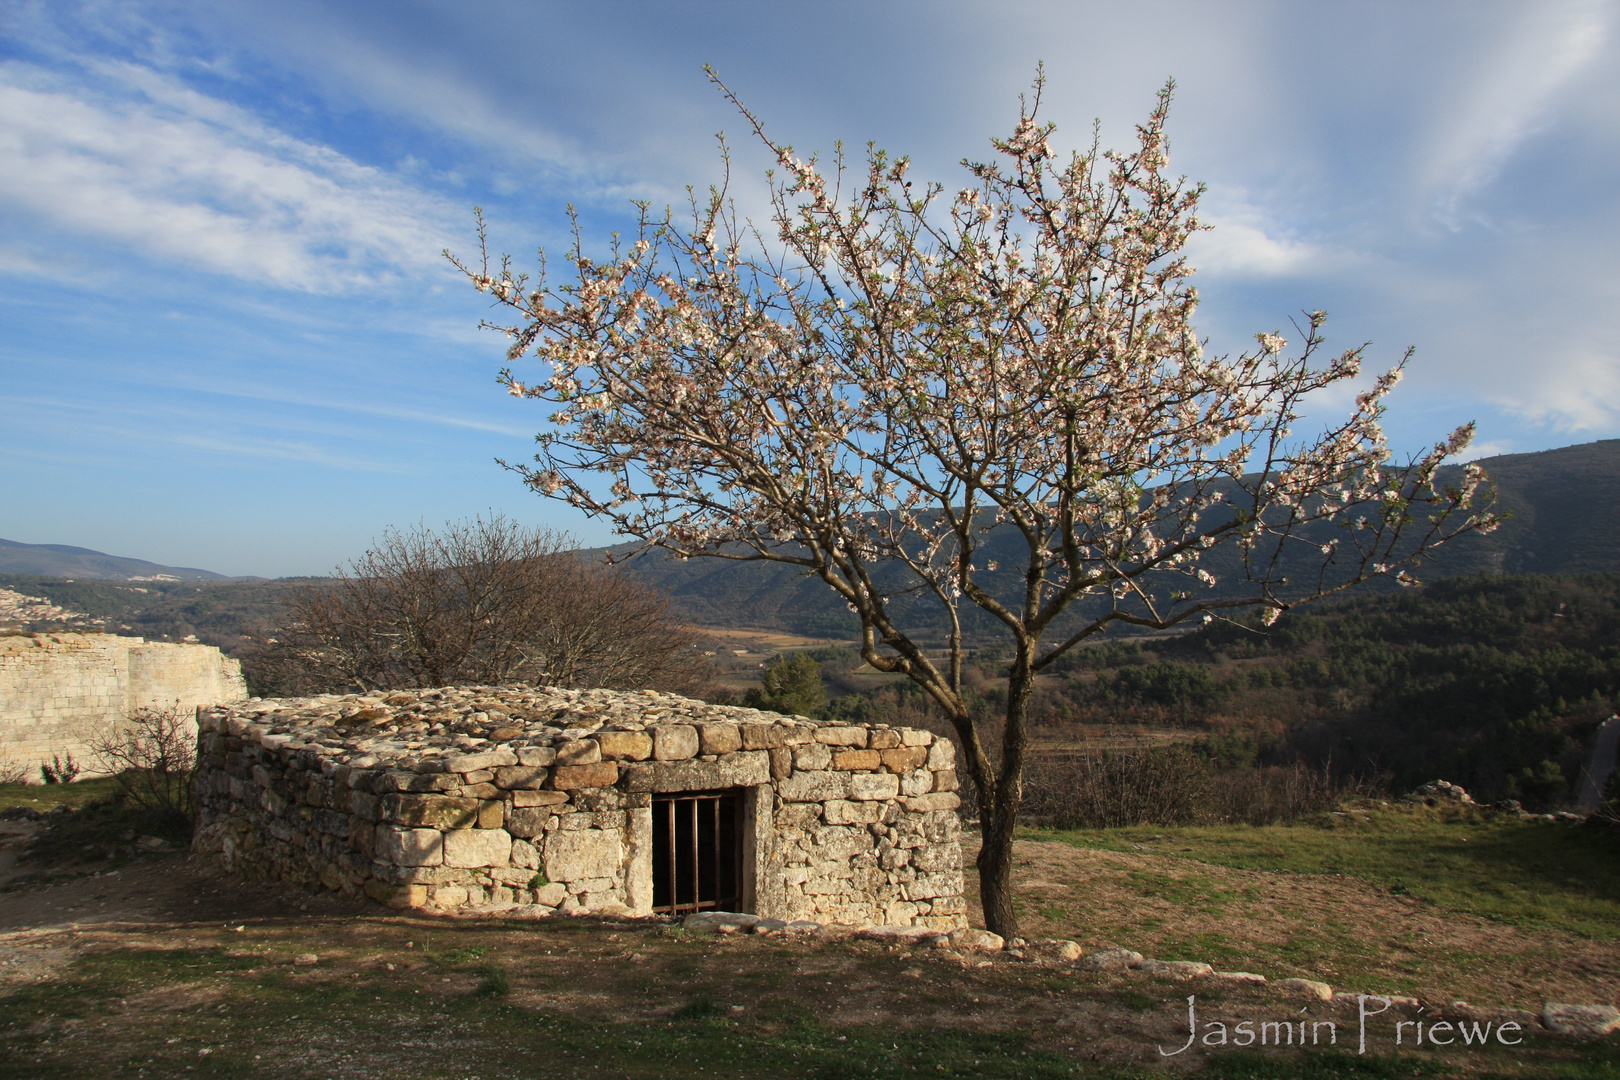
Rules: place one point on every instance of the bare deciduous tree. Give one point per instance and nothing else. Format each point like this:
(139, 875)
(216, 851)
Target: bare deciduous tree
(899, 378)
(152, 755)
(484, 602)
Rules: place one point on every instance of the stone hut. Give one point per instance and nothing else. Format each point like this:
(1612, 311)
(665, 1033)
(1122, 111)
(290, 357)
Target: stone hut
(537, 800)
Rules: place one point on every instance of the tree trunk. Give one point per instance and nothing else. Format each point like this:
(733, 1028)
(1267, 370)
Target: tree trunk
(996, 827)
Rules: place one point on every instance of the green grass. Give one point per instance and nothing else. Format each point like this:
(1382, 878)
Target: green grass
(1526, 873)
(44, 797)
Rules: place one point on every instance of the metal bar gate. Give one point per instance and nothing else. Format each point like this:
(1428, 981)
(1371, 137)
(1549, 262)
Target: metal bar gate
(697, 852)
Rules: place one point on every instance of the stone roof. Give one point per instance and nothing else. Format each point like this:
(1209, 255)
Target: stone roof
(408, 729)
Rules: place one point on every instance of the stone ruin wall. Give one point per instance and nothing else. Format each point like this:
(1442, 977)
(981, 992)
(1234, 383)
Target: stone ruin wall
(538, 801)
(57, 690)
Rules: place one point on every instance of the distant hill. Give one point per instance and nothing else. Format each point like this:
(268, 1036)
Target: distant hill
(62, 561)
(1564, 508)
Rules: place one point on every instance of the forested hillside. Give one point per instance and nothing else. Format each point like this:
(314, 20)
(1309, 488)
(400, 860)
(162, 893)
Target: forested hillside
(1496, 683)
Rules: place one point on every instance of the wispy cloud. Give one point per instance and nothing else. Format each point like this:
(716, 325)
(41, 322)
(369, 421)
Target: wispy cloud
(1538, 56)
(128, 154)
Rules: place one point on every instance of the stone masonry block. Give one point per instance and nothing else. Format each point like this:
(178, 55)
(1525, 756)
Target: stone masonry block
(571, 777)
(945, 780)
(844, 812)
(905, 759)
(812, 757)
(488, 759)
(873, 785)
(477, 847)
(842, 736)
(942, 755)
(917, 782)
(409, 847)
(675, 742)
(857, 760)
(579, 752)
(625, 745)
(745, 768)
(578, 856)
(761, 736)
(815, 786)
(536, 755)
(719, 738)
(520, 777)
(528, 821)
(538, 798)
(886, 739)
(430, 811)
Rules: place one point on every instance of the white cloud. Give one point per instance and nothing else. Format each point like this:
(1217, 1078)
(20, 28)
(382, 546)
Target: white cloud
(1488, 448)
(145, 162)
(1241, 243)
(1579, 393)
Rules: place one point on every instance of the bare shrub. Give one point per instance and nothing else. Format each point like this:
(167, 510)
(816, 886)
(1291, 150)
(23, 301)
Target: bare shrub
(152, 755)
(1175, 786)
(59, 771)
(486, 603)
(13, 772)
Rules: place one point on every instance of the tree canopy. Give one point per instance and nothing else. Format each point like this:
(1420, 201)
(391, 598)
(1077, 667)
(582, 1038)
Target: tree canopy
(891, 370)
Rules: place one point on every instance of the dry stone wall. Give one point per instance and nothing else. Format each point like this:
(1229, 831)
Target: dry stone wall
(56, 690)
(535, 801)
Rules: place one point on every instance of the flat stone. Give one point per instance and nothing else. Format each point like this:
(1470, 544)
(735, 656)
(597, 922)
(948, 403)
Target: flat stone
(1058, 949)
(466, 763)
(1110, 960)
(720, 921)
(307, 959)
(835, 735)
(970, 937)
(1585, 1021)
(1239, 977)
(900, 935)
(539, 798)
(1321, 991)
(1175, 969)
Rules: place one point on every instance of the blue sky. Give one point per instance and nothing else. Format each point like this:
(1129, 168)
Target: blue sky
(228, 340)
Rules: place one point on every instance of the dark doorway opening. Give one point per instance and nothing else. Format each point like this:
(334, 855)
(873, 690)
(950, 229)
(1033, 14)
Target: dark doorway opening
(697, 852)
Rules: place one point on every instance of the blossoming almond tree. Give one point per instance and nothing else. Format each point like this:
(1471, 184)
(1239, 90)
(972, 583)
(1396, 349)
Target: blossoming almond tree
(891, 374)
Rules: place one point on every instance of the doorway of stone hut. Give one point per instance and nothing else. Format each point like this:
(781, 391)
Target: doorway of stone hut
(697, 851)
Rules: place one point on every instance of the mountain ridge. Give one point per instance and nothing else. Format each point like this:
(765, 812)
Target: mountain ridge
(65, 560)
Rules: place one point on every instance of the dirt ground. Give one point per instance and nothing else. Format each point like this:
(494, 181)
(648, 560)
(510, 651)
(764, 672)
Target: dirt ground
(164, 967)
